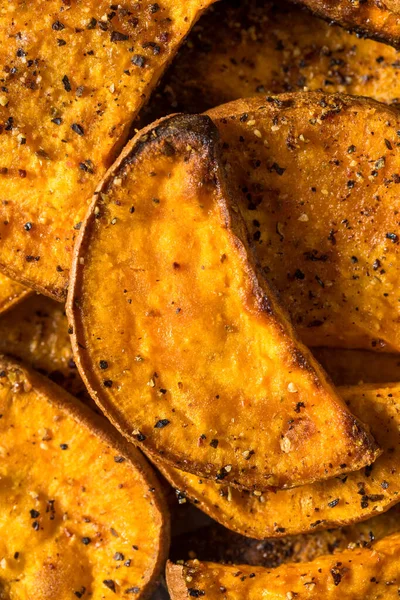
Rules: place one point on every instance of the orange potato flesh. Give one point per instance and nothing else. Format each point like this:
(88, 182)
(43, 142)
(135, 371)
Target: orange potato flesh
(369, 18)
(180, 340)
(215, 543)
(351, 367)
(266, 47)
(11, 293)
(36, 332)
(322, 505)
(75, 74)
(81, 513)
(316, 178)
(367, 573)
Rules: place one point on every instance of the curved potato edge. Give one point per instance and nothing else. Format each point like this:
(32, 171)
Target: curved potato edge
(368, 31)
(205, 131)
(102, 429)
(277, 104)
(219, 516)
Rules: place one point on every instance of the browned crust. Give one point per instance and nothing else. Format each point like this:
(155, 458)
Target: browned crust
(60, 293)
(100, 427)
(175, 581)
(188, 129)
(368, 30)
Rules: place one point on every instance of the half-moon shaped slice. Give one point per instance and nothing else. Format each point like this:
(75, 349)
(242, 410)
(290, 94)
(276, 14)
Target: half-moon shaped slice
(368, 573)
(180, 339)
(81, 512)
(317, 178)
(322, 505)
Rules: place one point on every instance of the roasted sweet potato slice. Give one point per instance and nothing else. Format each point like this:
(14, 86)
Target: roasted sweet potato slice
(317, 179)
(340, 501)
(215, 543)
(11, 293)
(81, 513)
(75, 74)
(265, 47)
(369, 18)
(178, 336)
(367, 573)
(36, 332)
(351, 367)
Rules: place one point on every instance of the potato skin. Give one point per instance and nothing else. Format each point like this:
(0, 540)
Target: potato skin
(367, 573)
(369, 18)
(317, 178)
(322, 505)
(74, 79)
(161, 386)
(270, 48)
(83, 499)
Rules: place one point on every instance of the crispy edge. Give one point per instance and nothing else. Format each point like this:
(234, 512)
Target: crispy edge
(203, 130)
(384, 35)
(175, 583)
(83, 415)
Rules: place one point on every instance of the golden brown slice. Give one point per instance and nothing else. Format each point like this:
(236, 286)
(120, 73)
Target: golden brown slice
(11, 293)
(215, 543)
(36, 332)
(179, 338)
(321, 505)
(369, 18)
(367, 573)
(74, 75)
(318, 183)
(265, 47)
(81, 512)
(351, 367)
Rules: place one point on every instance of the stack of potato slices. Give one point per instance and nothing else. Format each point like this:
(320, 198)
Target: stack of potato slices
(200, 300)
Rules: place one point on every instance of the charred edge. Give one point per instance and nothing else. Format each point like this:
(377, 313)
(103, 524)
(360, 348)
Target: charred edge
(367, 447)
(361, 32)
(198, 130)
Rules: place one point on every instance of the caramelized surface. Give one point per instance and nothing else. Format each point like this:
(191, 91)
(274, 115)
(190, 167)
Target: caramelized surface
(322, 505)
(179, 338)
(264, 47)
(81, 513)
(74, 75)
(370, 18)
(317, 179)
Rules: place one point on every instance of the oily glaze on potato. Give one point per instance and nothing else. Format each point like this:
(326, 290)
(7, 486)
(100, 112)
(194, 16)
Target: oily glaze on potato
(179, 338)
(368, 18)
(368, 573)
(215, 543)
(11, 293)
(317, 179)
(264, 47)
(81, 513)
(74, 75)
(322, 505)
